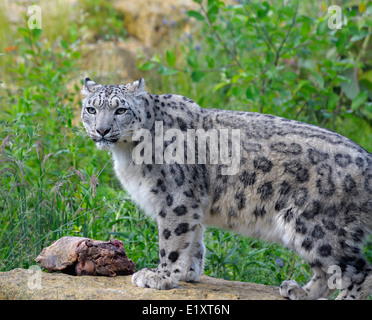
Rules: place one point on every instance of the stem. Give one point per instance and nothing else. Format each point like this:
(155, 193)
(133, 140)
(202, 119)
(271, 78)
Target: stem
(266, 38)
(364, 47)
(337, 109)
(286, 36)
(271, 46)
(229, 52)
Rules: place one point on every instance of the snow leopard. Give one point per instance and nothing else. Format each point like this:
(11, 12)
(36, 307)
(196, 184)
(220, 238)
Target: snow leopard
(300, 185)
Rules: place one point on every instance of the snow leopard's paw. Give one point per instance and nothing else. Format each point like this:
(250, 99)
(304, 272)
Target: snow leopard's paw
(154, 278)
(292, 290)
(191, 275)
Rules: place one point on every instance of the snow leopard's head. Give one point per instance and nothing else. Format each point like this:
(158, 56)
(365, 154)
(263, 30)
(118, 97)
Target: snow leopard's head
(111, 113)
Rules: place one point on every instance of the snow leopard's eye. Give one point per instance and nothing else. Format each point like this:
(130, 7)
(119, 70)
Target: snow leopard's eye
(121, 110)
(91, 110)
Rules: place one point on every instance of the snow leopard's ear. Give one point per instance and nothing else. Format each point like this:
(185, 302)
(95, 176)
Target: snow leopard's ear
(137, 87)
(89, 86)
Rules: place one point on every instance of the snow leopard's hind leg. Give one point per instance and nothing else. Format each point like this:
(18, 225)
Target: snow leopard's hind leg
(316, 288)
(356, 281)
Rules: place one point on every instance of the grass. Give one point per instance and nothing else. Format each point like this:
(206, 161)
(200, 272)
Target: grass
(53, 180)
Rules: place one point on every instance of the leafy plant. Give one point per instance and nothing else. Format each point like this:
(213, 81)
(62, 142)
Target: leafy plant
(43, 194)
(274, 58)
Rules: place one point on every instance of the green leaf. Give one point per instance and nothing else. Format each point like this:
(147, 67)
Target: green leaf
(67, 63)
(148, 65)
(359, 100)
(332, 102)
(351, 86)
(27, 40)
(220, 85)
(322, 28)
(342, 41)
(196, 76)
(195, 14)
(300, 84)
(167, 71)
(64, 44)
(170, 57)
(55, 77)
(286, 10)
(318, 79)
(21, 68)
(305, 29)
(76, 55)
(211, 3)
(210, 61)
(37, 32)
(237, 91)
(212, 13)
(192, 61)
(362, 34)
(366, 86)
(252, 92)
(156, 58)
(265, 9)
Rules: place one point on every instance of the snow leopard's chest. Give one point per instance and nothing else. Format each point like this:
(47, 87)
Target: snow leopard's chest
(129, 175)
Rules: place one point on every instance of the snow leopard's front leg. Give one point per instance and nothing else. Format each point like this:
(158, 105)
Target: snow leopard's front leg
(178, 227)
(195, 262)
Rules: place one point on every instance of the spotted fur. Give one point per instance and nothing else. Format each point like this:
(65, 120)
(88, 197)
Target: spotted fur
(300, 185)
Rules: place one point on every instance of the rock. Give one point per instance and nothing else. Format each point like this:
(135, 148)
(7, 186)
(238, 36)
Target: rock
(152, 21)
(83, 256)
(113, 61)
(34, 284)
(155, 22)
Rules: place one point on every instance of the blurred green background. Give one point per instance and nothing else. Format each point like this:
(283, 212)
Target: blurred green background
(277, 57)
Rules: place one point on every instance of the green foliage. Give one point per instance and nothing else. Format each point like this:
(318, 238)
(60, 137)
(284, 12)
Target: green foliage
(53, 180)
(279, 59)
(233, 257)
(43, 194)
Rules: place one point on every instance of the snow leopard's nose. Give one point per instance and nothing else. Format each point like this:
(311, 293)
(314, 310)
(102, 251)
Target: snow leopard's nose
(103, 132)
